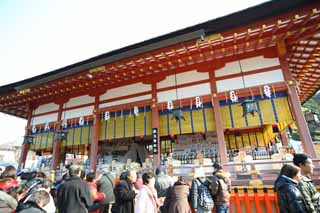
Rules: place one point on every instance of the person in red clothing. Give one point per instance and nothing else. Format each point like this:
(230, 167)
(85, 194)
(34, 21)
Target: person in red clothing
(96, 196)
(8, 178)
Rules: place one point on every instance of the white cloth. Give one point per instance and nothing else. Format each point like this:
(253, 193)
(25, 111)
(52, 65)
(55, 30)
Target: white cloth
(50, 207)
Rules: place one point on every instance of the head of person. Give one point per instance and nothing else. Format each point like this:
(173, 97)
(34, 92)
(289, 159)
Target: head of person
(41, 198)
(304, 163)
(74, 170)
(217, 167)
(148, 178)
(90, 177)
(132, 176)
(160, 170)
(291, 171)
(41, 175)
(46, 184)
(9, 172)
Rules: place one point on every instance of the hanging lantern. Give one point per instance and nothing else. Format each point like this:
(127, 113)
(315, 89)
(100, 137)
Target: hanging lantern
(203, 134)
(237, 132)
(136, 111)
(107, 115)
(28, 139)
(61, 135)
(177, 114)
(249, 106)
(275, 128)
(198, 102)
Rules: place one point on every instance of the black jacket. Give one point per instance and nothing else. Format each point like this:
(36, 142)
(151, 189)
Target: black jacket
(29, 207)
(124, 196)
(106, 184)
(74, 196)
(289, 197)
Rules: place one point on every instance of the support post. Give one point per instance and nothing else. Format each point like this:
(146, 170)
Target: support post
(57, 142)
(295, 105)
(25, 146)
(95, 136)
(155, 123)
(218, 120)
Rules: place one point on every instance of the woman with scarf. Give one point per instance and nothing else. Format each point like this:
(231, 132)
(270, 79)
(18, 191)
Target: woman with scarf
(147, 201)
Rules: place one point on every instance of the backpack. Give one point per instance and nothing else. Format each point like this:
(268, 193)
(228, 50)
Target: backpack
(204, 196)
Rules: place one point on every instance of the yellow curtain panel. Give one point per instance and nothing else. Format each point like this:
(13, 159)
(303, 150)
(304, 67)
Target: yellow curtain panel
(196, 120)
(43, 141)
(126, 126)
(78, 135)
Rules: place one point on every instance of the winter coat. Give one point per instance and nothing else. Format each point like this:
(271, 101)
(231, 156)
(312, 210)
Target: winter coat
(7, 201)
(106, 184)
(195, 194)
(177, 199)
(95, 195)
(147, 200)
(74, 196)
(289, 197)
(310, 194)
(220, 188)
(124, 197)
(6, 183)
(30, 207)
(163, 182)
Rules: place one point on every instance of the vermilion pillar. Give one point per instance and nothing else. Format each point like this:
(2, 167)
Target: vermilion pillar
(57, 141)
(95, 135)
(155, 122)
(25, 146)
(218, 120)
(295, 105)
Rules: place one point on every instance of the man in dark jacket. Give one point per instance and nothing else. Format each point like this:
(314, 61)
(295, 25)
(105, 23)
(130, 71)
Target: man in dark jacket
(125, 194)
(73, 194)
(306, 186)
(105, 184)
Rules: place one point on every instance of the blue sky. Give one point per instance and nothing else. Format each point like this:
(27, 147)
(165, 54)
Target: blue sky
(38, 36)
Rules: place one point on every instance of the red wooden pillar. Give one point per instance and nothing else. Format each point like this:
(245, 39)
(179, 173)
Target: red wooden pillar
(25, 146)
(218, 120)
(95, 136)
(57, 142)
(155, 123)
(295, 105)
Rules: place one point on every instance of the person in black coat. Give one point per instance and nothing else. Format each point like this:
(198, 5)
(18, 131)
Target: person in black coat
(125, 193)
(105, 184)
(74, 195)
(289, 197)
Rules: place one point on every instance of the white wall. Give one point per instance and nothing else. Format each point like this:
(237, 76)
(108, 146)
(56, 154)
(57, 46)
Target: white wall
(125, 101)
(247, 65)
(80, 100)
(83, 111)
(44, 119)
(185, 92)
(46, 108)
(182, 78)
(264, 78)
(125, 90)
(250, 80)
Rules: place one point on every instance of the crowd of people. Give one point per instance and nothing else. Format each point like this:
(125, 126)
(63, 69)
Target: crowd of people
(78, 192)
